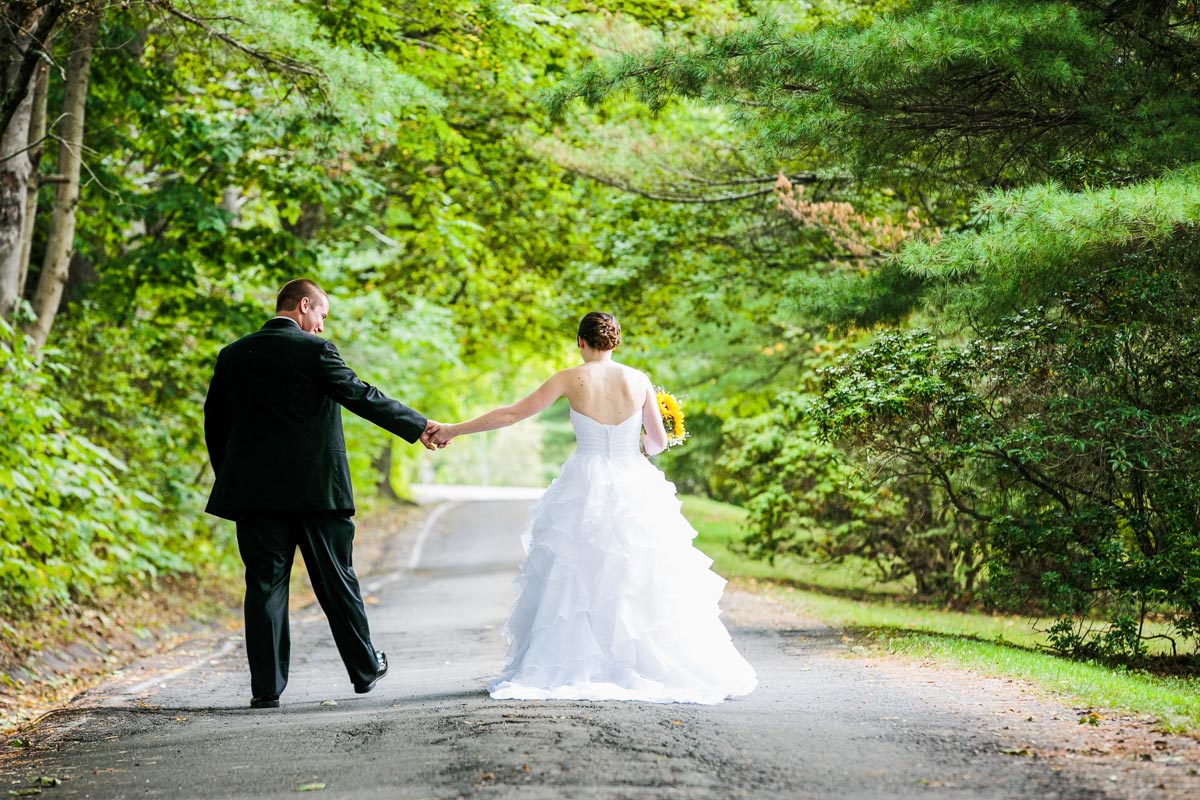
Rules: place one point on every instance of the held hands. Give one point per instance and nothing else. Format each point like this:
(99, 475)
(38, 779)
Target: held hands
(442, 436)
(437, 435)
(433, 438)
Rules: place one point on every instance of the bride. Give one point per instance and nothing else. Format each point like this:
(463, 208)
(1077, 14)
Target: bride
(615, 603)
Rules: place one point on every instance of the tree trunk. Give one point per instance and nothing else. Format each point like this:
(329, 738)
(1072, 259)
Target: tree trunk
(25, 31)
(37, 146)
(56, 265)
(15, 169)
(308, 224)
(382, 465)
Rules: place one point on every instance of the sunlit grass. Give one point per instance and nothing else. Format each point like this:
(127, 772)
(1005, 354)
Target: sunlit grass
(1003, 645)
(1004, 628)
(719, 525)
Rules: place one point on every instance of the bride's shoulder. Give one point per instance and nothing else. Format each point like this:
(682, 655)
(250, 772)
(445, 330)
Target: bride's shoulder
(636, 375)
(629, 370)
(568, 377)
(567, 372)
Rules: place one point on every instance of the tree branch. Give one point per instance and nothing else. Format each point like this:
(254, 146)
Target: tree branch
(670, 197)
(280, 62)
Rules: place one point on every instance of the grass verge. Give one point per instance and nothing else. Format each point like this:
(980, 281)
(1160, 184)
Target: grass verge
(1002, 645)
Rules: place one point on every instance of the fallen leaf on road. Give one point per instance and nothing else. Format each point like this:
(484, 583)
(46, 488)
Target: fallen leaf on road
(43, 780)
(526, 768)
(311, 787)
(676, 722)
(1024, 751)
(24, 792)
(329, 702)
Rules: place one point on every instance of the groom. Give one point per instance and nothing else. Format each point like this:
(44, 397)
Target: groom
(273, 426)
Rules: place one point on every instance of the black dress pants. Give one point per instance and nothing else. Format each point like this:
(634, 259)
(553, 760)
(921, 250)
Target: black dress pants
(268, 545)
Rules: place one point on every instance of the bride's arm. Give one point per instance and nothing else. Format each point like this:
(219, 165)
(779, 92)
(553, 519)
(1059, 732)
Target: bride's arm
(502, 417)
(654, 441)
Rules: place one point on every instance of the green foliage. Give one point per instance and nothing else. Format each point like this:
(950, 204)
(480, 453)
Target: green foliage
(1032, 243)
(357, 83)
(72, 519)
(1067, 434)
(134, 388)
(806, 496)
(939, 93)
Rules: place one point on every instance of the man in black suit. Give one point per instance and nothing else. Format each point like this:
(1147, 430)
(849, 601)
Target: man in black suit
(273, 426)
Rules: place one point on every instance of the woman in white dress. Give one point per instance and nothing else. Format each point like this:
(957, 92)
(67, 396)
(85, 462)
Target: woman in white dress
(615, 603)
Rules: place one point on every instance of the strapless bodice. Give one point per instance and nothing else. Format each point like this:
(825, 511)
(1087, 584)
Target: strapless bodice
(597, 439)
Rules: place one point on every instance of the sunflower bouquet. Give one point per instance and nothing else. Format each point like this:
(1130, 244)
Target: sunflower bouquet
(672, 416)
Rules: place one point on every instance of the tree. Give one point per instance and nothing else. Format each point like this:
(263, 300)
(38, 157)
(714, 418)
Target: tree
(947, 94)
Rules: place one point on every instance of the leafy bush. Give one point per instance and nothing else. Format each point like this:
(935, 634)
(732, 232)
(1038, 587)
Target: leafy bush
(1067, 435)
(137, 388)
(806, 496)
(71, 520)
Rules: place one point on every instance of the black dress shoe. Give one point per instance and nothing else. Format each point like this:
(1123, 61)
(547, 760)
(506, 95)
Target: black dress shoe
(264, 702)
(363, 688)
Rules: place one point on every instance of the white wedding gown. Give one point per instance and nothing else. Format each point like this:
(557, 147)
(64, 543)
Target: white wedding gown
(615, 603)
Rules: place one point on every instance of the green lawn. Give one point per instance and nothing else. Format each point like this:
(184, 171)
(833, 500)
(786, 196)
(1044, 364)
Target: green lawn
(720, 524)
(997, 644)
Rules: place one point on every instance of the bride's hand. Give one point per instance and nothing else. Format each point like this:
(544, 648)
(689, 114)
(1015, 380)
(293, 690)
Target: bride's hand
(442, 436)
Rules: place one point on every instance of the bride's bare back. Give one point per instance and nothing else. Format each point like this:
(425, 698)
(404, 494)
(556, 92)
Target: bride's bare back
(606, 391)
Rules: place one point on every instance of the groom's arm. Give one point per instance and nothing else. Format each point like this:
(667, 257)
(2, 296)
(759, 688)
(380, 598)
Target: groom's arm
(365, 400)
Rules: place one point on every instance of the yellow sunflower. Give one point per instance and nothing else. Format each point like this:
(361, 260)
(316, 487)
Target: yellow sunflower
(672, 416)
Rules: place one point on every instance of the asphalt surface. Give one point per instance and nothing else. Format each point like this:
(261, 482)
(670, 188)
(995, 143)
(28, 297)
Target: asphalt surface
(820, 725)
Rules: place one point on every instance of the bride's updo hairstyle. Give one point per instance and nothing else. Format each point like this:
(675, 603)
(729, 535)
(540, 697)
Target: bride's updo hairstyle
(600, 330)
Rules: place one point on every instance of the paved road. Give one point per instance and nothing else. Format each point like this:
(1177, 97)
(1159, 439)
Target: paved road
(820, 725)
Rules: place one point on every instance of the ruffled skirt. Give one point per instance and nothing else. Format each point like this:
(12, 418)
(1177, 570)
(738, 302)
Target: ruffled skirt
(614, 601)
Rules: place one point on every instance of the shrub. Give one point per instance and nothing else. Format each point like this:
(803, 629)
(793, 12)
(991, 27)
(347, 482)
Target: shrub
(1067, 435)
(71, 518)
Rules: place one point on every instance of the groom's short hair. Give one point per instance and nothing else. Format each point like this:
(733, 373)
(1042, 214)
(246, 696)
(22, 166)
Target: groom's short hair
(294, 291)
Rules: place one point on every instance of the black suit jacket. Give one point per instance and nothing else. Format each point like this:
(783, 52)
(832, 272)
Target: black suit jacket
(273, 423)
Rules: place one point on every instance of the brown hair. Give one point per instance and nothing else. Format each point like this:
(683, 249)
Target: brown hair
(294, 291)
(600, 330)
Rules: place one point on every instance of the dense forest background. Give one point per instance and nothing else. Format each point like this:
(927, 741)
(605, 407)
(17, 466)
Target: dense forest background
(926, 270)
